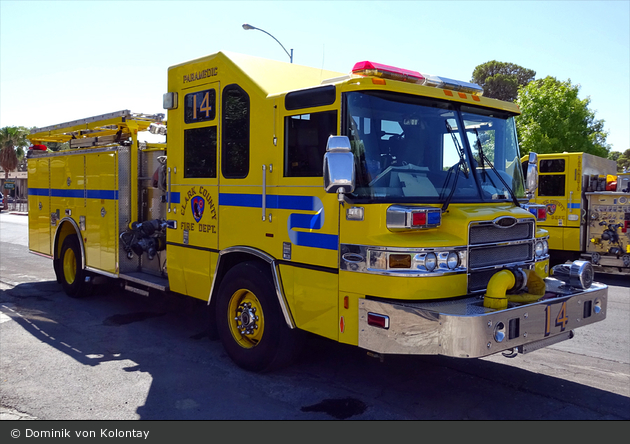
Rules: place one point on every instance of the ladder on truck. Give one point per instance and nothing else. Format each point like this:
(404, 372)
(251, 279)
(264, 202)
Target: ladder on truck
(101, 130)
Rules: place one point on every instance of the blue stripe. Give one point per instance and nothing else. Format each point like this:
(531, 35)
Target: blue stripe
(55, 192)
(310, 221)
(175, 198)
(575, 206)
(296, 220)
(303, 203)
(78, 194)
(240, 200)
(102, 194)
(317, 240)
(38, 191)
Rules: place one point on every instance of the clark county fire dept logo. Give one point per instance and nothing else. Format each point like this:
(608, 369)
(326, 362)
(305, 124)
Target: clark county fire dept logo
(551, 208)
(198, 205)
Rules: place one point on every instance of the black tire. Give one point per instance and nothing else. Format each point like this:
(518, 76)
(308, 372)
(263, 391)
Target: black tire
(70, 270)
(267, 342)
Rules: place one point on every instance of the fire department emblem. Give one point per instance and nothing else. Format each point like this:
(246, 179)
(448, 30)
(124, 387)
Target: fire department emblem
(551, 208)
(198, 205)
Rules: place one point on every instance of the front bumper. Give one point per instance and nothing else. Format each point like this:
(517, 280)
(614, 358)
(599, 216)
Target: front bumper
(465, 328)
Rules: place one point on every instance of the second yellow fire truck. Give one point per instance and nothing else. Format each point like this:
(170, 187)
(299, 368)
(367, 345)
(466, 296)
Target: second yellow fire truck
(384, 209)
(588, 210)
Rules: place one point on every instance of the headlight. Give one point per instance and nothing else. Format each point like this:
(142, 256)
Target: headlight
(453, 260)
(539, 248)
(545, 247)
(430, 261)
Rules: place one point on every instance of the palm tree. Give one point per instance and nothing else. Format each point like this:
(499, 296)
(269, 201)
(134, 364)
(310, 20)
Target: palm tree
(11, 138)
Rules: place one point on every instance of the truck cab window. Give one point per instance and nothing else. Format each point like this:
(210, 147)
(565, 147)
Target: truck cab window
(551, 185)
(235, 145)
(305, 142)
(552, 166)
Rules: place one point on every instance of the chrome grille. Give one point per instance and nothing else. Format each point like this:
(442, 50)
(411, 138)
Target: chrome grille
(488, 233)
(493, 246)
(499, 255)
(479, 280)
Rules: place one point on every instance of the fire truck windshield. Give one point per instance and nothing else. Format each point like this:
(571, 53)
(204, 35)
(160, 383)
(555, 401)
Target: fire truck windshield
(418, 149)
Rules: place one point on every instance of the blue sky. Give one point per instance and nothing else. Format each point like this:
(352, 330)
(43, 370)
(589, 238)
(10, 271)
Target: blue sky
(62, 61)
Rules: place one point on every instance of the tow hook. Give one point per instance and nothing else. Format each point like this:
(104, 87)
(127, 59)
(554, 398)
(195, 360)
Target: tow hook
(510, 353)
(379, 356)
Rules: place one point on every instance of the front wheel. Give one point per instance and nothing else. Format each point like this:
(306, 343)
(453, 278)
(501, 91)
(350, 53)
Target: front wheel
(70, 269)
(249, 320)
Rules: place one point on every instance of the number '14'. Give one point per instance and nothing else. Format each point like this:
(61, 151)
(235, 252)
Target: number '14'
(561, 320)
(205, 105)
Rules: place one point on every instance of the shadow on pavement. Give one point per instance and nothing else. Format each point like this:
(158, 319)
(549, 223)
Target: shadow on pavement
(192, 378)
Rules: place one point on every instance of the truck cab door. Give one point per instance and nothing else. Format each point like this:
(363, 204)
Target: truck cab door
(192, 246)
(307, 221)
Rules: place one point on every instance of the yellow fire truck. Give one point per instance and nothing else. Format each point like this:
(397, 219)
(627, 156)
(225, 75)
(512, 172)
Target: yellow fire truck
(384, 209)
(588, 210)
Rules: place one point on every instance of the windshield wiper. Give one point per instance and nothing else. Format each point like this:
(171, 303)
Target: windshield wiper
(462, 160)
(482, 157)
(460, 166)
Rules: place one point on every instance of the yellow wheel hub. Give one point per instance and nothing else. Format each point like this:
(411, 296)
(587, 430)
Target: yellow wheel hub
(245, 318)
(69, 266)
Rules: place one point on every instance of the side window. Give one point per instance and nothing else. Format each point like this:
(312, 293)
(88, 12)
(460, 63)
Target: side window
(200, 152)
(235, 125)
(305, 138)
(552, 166)
(551, 185)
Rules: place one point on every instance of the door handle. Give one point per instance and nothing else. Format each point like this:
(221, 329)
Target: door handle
(168, 193)
(264, 191)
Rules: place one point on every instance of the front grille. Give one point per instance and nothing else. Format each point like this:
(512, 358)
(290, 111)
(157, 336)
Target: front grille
(478, 281)
(485, 259)
(488, 233)
(499, 255)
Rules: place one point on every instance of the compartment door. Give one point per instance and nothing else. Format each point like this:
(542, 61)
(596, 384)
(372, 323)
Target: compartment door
(39, 227)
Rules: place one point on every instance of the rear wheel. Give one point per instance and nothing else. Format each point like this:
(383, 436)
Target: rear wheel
(70, 270)
(249, 320)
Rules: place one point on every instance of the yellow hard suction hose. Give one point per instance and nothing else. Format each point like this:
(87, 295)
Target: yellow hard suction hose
(496, 296)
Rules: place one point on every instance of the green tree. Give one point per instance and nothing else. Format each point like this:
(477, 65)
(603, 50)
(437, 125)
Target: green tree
(12, 138)
(622, 159)
(501, 80)
(554, 119)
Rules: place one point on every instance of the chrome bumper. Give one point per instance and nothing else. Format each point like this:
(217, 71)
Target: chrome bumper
(465, 328)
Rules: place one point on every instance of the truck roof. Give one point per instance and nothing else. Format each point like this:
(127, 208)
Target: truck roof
(270, 76)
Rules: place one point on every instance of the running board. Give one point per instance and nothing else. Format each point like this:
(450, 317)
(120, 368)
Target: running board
(136, 290)
(146, 279)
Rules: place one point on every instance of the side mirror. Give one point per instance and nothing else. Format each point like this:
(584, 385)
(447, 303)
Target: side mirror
(339, 173)
(532, 175)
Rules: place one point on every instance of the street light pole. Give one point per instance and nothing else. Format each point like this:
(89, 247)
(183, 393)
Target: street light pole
(247, 27)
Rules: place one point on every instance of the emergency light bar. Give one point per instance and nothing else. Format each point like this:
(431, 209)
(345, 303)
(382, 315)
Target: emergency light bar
(372, 69)
(388, 72)
(455, 85)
